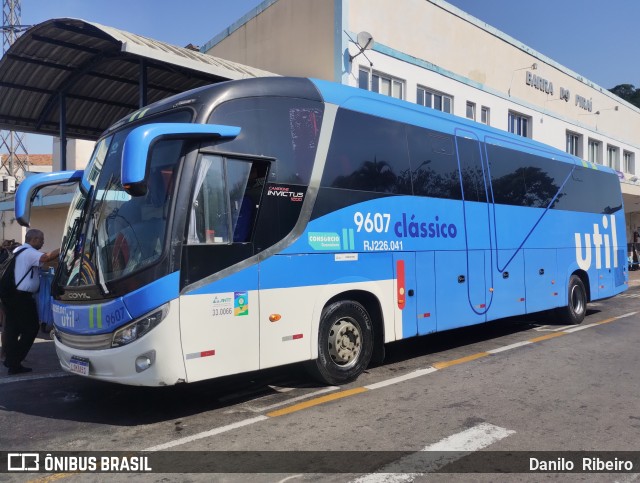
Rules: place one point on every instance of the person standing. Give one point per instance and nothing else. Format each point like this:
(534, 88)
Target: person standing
(7, 246)
(22, 321)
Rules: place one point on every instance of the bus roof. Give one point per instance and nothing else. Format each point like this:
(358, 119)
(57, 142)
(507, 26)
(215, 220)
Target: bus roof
(349, 98)
(403, 111)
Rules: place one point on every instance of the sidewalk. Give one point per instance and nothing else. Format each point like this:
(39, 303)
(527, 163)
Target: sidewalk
(42, 359)
(634, 278)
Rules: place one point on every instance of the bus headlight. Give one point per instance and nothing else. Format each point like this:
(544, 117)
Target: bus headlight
(140, 327)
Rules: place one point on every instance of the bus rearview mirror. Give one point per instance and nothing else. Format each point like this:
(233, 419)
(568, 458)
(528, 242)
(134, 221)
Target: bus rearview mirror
(138, 144)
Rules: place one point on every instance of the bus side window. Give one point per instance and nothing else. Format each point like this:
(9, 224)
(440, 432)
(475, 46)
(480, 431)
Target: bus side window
(210, 212)
(226, 198)
(245, 201)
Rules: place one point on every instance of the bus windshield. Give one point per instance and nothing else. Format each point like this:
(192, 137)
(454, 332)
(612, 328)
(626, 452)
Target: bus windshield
(110, 234)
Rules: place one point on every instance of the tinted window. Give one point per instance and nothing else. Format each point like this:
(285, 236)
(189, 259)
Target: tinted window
(282, 128)
(473, 181)
(590, 190)
(524, 179)
(434, 166)
(369, 154)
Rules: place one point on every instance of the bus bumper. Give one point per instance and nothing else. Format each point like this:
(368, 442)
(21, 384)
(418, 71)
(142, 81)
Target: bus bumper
(160, 350)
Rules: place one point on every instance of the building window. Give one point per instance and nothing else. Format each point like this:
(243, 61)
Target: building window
(595, 151)
(629, 162)
(613, 159)
(574, 144)
(363, 79)
(435, 100)
(520, 124)
(485, 115)
(471, 110)
(381, 83)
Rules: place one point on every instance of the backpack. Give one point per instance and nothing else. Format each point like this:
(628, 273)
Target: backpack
(7, 275)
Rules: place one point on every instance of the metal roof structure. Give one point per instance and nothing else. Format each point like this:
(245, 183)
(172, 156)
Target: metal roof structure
(72, 78)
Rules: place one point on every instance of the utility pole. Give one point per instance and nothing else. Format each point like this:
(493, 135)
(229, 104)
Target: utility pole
(15, 163)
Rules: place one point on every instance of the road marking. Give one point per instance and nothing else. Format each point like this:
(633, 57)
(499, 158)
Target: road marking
(462, 360)
(432, 457)
(33, 377)
(406, 377)
(550, 328)
(547, 337)
(292, 400)
(509, 347)
(206, 434)
(316, 402)
(578, 328)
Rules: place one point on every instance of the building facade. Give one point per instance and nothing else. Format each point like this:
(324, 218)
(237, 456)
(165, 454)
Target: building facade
(432, 53)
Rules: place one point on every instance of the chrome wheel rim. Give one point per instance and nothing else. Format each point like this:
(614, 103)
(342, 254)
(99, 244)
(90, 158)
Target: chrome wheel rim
(345, 342)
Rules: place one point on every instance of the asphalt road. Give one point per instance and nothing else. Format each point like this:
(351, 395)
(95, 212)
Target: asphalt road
(479, 394)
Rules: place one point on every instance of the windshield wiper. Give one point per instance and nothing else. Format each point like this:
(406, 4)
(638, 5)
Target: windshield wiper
(74, 237)
(94, 234)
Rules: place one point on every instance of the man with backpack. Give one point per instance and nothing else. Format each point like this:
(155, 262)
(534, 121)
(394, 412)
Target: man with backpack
(22, 321)
(7, 247)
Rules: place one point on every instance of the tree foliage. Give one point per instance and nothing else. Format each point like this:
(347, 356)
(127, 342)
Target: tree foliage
(628, 92)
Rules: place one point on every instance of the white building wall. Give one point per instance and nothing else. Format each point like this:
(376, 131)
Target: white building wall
(435, 45)
(78, 154)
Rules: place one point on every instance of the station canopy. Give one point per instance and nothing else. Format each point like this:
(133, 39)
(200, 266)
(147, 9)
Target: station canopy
(72, 78)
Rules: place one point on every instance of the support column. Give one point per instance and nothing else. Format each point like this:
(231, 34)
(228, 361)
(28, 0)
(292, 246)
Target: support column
(63, 132)
(142, 84)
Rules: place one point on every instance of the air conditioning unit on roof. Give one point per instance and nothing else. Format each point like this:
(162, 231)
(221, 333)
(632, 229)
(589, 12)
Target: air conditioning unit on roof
(9, 184)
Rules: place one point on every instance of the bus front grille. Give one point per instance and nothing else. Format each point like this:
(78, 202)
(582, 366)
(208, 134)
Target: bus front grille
(85, 342)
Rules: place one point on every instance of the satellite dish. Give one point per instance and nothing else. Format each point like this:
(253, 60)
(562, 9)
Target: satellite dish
(365, 41)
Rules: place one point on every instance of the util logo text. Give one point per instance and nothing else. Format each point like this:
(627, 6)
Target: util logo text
(601, 242)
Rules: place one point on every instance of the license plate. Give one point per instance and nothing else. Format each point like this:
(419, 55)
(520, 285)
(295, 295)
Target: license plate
(79, 365)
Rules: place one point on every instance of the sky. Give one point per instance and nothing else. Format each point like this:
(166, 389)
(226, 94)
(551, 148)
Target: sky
(595, 38)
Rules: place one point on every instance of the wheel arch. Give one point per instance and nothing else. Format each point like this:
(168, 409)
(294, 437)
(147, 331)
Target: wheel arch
(584, 276)
(372, 305)
(371, 298)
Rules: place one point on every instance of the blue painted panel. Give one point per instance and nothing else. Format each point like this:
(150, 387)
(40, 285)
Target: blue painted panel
(508, 296)
(426, 292)
(458, 302)
(543, 290)
(139, 140)
(606, 286)
(103, 318)
(90, 319)
(31, 184)
(158, 292)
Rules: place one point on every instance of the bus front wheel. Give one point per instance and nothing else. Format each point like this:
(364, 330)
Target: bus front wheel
(345, 343)
(576, 308)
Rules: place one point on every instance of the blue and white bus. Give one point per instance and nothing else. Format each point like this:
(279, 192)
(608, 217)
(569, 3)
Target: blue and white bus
(262, 222)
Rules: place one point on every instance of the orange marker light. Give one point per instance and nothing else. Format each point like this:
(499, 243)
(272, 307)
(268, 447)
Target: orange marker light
(274, 317)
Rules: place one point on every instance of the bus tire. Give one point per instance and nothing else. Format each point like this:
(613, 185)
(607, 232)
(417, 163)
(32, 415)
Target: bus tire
(576, 309)
(345, 343)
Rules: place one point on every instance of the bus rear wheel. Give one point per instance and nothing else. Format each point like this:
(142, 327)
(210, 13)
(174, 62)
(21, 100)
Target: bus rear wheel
(345, 343)
(576, 307)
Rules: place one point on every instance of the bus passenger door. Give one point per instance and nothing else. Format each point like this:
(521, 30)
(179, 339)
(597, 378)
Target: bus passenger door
(404, 265)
